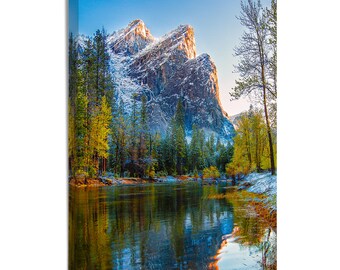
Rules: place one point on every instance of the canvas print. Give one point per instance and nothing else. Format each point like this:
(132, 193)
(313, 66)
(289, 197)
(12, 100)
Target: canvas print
(172, 134)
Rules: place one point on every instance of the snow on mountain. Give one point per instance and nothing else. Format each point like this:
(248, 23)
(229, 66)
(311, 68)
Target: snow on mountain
(167, 69)
(132, 39)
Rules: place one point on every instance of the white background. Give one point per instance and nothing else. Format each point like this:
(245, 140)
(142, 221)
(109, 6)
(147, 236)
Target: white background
(33, 189)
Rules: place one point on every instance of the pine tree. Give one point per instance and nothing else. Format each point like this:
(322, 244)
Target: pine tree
(194, 149)
(87, 71)
(180, 149)
(103, 78)
(89, 112)
(143, 138)
(92, 142)
(71, 139)
(178, 130)
(155, 149)
(172, 146)
(81, 133)
(133, 137)
(73, 75)
(202, 155)
(164, 158)
(211, 150)
(119, 139)
(230, 153)
(122, 138)
(221, 158)
(103, 133)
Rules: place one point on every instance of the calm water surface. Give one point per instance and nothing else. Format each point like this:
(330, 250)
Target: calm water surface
(161, 226)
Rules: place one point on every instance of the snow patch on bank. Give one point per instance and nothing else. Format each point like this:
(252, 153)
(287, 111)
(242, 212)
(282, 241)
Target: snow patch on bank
(262, 183)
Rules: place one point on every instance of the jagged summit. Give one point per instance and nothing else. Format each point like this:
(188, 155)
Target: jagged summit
(182, 38)
(130, 40)
(135, 23)
(167, 69)
(139, 29)
(136, 36)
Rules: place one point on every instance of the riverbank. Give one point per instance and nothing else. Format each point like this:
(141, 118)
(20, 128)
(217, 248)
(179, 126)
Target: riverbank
(264, 184)
(105, 181)
(112, 181)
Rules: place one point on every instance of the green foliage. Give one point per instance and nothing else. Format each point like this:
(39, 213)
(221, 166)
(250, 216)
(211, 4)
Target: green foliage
(92, 172)
(224, 155)
(161, 173)
(178, 130)
(251, 148)
(172, 151)
(89, 111)
(119, 139)
(196, 150)
(103, 136)
(81, 132)
(71, 139)
(150, 171)
(211, 172)
(195, 173)
(210, 150)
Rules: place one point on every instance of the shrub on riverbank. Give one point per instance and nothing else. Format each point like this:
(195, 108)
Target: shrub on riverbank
(211, 172)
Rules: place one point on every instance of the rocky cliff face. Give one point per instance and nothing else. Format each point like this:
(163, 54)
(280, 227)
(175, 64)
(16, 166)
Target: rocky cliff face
(132, 39)
(166, 70)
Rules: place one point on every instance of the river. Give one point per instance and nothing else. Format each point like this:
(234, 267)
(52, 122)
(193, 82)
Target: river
(164, 226)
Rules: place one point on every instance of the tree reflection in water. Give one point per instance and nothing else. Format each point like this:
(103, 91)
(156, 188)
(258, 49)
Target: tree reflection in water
(158, 226)
(254, 227)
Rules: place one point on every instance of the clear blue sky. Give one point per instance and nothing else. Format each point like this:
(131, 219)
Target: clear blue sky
(217, 30)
